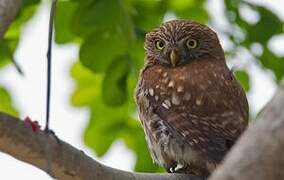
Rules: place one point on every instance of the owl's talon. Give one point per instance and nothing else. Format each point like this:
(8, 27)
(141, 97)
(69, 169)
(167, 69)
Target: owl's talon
(169, 170)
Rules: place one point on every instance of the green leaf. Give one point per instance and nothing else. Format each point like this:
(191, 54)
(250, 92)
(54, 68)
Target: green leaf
(137, 55)
(190, 9)
(5, 53)
(65, 13)
(148, 14)
(273, 62)
(88, 85)
(98, 50)
(268, 25)
(105, 38)
(243, 77)
(111, 16)
(30, 2)
(104, 119)
(114, 84)
(6, 104)
(104, 125)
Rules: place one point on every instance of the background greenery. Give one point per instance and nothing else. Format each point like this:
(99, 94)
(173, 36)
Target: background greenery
(110, 34)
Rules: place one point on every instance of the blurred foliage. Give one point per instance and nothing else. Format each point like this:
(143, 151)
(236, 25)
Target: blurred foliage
(243, 77)
(268, 25)
(111, 34)
(8, 46)
(6, 102)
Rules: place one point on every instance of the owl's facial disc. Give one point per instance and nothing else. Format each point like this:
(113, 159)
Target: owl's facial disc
(178, 42)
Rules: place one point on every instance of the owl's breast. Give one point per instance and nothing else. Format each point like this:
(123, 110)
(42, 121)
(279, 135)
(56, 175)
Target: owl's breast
(178, 88)
(198, 87)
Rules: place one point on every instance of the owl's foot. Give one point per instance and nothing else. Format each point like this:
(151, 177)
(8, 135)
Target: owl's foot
(180, 168)
(176, 168)
(170, 167)
(188, 169)
(169, 170)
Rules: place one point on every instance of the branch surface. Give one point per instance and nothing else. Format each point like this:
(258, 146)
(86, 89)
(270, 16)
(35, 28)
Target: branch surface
(259, 152)
(67, 162)
(8, 10)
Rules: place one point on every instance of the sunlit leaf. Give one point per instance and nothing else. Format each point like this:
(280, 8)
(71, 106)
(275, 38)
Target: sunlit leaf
(88, 85)
(104, 126)
(6, 104)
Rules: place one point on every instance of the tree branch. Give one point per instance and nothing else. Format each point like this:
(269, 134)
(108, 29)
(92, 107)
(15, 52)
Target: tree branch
(259, 152)
(8, 10)
(68, 163)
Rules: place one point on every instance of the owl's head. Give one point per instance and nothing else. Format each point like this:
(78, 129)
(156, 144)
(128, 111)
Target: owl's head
(178, 42)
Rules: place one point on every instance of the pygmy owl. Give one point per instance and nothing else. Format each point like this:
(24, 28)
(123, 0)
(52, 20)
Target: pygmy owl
(190, 105)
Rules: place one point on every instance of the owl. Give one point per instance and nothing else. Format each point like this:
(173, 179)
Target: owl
(190, 105)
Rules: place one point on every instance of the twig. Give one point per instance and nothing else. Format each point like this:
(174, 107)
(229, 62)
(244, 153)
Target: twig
(49, 56)
(48, 150)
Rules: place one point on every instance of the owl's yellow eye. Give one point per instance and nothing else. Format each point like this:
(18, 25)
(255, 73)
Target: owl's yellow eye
(191, 43)
(159, 44)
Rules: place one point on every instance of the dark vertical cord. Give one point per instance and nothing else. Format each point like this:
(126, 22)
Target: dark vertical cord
(49, 56)
(48, 150)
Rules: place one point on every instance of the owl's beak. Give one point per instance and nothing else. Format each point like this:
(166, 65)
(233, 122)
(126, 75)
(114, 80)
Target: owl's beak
(174, 57)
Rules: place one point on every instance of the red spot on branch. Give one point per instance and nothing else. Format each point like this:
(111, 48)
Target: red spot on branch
(30, 123)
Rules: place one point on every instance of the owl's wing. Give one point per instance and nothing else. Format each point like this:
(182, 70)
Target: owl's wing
(200, 135)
